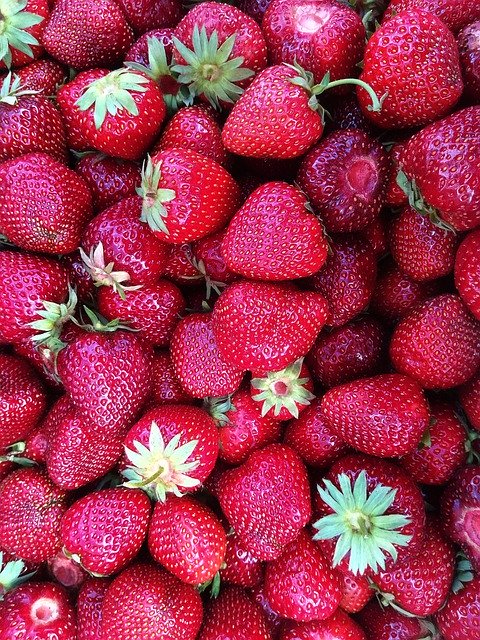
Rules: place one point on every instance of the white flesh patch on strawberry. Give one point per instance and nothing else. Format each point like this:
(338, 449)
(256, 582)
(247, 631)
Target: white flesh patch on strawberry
(310, 18)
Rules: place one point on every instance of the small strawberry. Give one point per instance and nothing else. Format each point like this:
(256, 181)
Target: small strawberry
(395, 196)
(345, 113)
(339, 626)
(89, 608)
(210, 262)
(467, 40)
(239, 566)
(143, 15)
(454, 14)
(44, 76)
(385, 622)
(166, 388)
(181, 265)
(467, 272)
(459, 617)
(23, 23)
(275, 236)
(356, 591)
(470, 399)
(66, 571)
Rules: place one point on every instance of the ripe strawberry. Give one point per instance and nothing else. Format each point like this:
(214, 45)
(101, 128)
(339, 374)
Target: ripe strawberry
(89, 608)
(22, 399)
(385, 622)
(79, 278)
(338, 626)
(175, 215)
(322, 36)
(313, 439)
(454, 14)
(436, 186)
(44, 76)
(274, 236)
(346, 114)
(300, 584)
(395, 196)
(287, 322)
(23, 23)
(49, 218)
(467, 272)
(187, 539)
(345, 353)
(274, 622)
(139, 52)
(235, 616)
(174, 610)
(459, 617)
(143, 15)
(470, 59)
(437, 343)
(32, 508)
(75, 33)
(198, 364)
(470, 399)
(348, 278)
(421, 85)
(166, 388)
(181, 266)
(356, 591)
(39, 611)
(118, 112)
(267, 500)
(209, 260)
(171, 449)
(239, 566)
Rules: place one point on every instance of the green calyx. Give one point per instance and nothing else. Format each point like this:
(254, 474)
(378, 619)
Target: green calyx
(416, 202)
(209, 70)
(11, 90)
(463, 572)
(363, 529)
(11, 575)
(218, 409)
(103, 274)
(14, 22)
(53, 318)
(213, 585)
(154, 212)
(283, 389)
(112, 93)
(15, 453)
(95, 322)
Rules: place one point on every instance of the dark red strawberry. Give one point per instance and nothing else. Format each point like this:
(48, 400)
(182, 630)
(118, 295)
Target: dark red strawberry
(275, 236)
(166, 388)
(23, 25)
(469, 48)
(143, 15)
(346, 114)
(79, 277)
(459, 617)
(267, 500)
(66, 571)
(75, 33)
(356, 591)
(210, 263)
(274, 621)
(395, 196)
(470, 399)
(385, 623)
(89, 608)
(454, 14)
(181, 265)
(437, 343)
(339, 626)
(467, 272)
(44, 76)
(239, 566)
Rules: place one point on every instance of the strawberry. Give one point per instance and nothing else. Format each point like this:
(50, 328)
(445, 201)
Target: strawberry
(348, 278)
(322, 36)
(437, 343)
(470, 59)
(147, 598)
(287, 322)
(166, 388)
(351, 351)
(345, 113)
(356, 591)
(421, 85)
(267, 500)
(436, 186)
(344, 177)
(239, 566)
(22, 399)
(275, 236)
(187, 538)
(75, 33)
(49, 218)
(436, 460)
(32, 508)
(356, 490)
(44, 76)
(23, 23)
(383, 416)
(181, 266)
(89, 608)
(208, 257)
(470, 399)
(459, 617)
(274, 621)
(197, 361)
(218, 48)
(300, 584)
(235, 616)
(66, 571)
(338, 626)
(454, 14)
(119, 516)
(29, 123)
(382, 623)
(312, 438)
(467, 272)
(39, 611)
(175, 215)
(139, 52)
(143, 15)
(171, 449)
(395, 196)
(118, 112)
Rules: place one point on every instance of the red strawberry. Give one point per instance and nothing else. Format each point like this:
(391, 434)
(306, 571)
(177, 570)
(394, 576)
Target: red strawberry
(435, 185)
(356, 591)
(470, 399)
(454, 14)
(346, 114)
(89, 608)
(421, 85)
(235, 616)
(39, 611)
(118, 112)
(50, 217)
(23, 25)
(181, 265)
(344, 177)
(240, 567)
(274, 236)
(143, 15)
(385, 623)
(171, 449)
(352, 351)
(287, 322)
(467, 272)
(300, 584)
(322, 36)
(22, 399)
(267, 500)
(75, 33)
(459, 617)
(176, 215)
(274, 621)
(187, 538)
(44, 76)
(149, 599)
(79, 277)
(31, 508)
(348, 278)
(395, 196)
(470, 59)
(166, 388)
(197, 361)
(208, 258)
(339, 627)
(141, 48)
(437, 343)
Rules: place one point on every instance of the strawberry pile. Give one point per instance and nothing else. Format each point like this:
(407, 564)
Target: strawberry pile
(240, 320)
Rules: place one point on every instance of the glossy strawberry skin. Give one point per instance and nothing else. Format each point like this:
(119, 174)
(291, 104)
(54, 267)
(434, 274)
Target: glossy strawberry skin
(274, 236)
(89, 608)
(381, 623)
(187, 539)
(338, 626)
(470, 59)
(454, 14)
(470, 399)
(143, 15)
(240, 567)
(19, 58)
(429, 51)
(467, 272)
(109, 179)
(138, 52)
(174, 610)
(356, 591)
(459, 618)
(437, 343)
(267, 500)
(44, 76)
(209, 251)
(166, 388)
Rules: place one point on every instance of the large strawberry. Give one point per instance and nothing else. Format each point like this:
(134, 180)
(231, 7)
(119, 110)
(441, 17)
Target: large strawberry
(23, 23)
(274, 236)
(89, 608)
(143, 15)
(458, 619)
(44, 76)
(467, 272)
(338, 626)
(240, 567)
(454, 14)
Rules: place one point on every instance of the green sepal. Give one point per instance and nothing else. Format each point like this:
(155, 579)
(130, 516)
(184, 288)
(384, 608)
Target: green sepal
(416, 202)
(218, 409)
(463, 572)
(153, 211)
(14, 21)
(100, 324)
(213, 585)
(11, 575)
(11, 90)
(53, 318)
